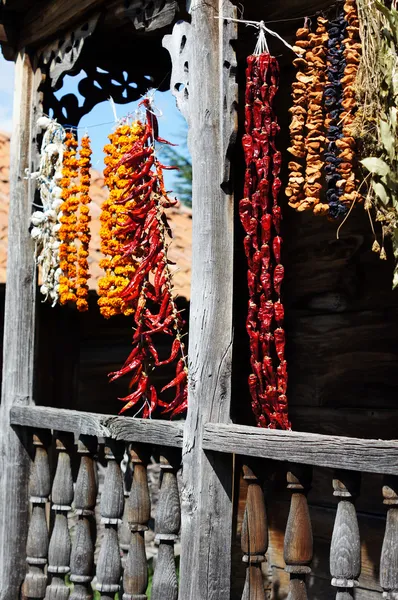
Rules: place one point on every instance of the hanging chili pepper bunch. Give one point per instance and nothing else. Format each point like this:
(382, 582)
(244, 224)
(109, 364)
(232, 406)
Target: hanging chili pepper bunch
(138, 235)
(261, 218)
(74, 232)
(324, 105)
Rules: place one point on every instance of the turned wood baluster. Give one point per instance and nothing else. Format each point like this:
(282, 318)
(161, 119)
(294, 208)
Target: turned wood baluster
(124, 529)
(389, 553)
(167, 527)
(109, 567)
(135, 580)
(254, 537)
(82, 557)
(345, 550)
(298, 547)
(35, 582)
(61, 496)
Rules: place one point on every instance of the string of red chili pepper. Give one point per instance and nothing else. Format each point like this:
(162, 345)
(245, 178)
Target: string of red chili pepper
(150, 286)
(261, 218)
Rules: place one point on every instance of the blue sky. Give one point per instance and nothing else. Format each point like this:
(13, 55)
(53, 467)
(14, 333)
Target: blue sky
(172, 125)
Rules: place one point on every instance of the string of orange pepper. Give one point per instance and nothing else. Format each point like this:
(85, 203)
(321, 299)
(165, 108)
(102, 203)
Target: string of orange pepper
(83, 228)
(68, 230)
(118, 267)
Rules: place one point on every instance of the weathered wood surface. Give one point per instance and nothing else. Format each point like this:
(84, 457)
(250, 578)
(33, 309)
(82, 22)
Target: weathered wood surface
(167, 527)
(345, 548)
(34, 585)
(17, 384)
(207, 478)
(138, 512)
(298, 543)
(109, 567)
(377, 456)
(254, 536)
(60, 542)
(128, 429)
(82, 556)
(389, 554)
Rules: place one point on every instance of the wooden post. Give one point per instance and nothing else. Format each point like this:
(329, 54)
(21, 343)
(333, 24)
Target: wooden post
(389, 553)
(82, 557)
(19, 320)
(345, 550)
(167, 527)
(109, 566)
(204, 53)
(298, 546)
(35, 582)
(254, 538)
(135, 580)
(61, 497)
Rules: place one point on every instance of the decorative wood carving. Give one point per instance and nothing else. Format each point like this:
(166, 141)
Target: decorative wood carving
(135, 579)
(35, 582)
(167, 527)
(389, 553)
(254, 537)
(298, 546)
(150, 14)
(109, 567)
(345, 550)
(60, 543)
(179, 48)
(82, 557)
(60, 57)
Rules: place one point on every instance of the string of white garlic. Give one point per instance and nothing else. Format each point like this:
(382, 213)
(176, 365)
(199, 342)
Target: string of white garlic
(46, 223)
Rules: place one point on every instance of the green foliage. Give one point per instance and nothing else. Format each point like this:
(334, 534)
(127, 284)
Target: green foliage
(379, 114)
(183, 177)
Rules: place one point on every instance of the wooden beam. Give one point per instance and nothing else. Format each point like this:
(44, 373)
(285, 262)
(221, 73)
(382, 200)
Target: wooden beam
(373, 456)
(42, 24)
(19, 334)
(128, 429)
(211, 93)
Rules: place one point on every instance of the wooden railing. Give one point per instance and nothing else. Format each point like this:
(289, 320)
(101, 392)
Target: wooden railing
(55, 560)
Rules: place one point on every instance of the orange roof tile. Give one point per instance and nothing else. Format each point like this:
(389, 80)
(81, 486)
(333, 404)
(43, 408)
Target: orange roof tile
(180, 221)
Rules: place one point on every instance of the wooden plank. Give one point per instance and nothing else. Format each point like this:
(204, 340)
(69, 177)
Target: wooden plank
(207, 477)
(40, 25)
(374, 456)
(19, 333)
(128, 429)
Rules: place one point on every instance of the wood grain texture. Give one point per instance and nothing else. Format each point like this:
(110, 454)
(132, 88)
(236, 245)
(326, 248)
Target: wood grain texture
(109, 568)
(165, 433)
(34, 585)
(167, 527)
(82, 556)
(19, 319)
(375, 456)
(389, 553)
(207, 478)
(345, 548)
(39, 26)
(138, 512)
(60, 542)
(254, 536)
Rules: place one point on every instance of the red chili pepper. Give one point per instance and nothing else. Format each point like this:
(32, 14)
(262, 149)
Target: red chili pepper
(130, 367)
(181, 378)
(278, 278)
(276, 248)
(279, 312)
(175, 349)
(279, 336)
(132, 399)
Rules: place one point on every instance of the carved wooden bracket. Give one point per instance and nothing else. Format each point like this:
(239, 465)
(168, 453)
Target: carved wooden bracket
(150, 14)
(60, 57)
(178, 45)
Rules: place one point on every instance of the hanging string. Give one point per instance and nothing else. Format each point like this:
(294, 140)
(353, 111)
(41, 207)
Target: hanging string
(263, 30)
